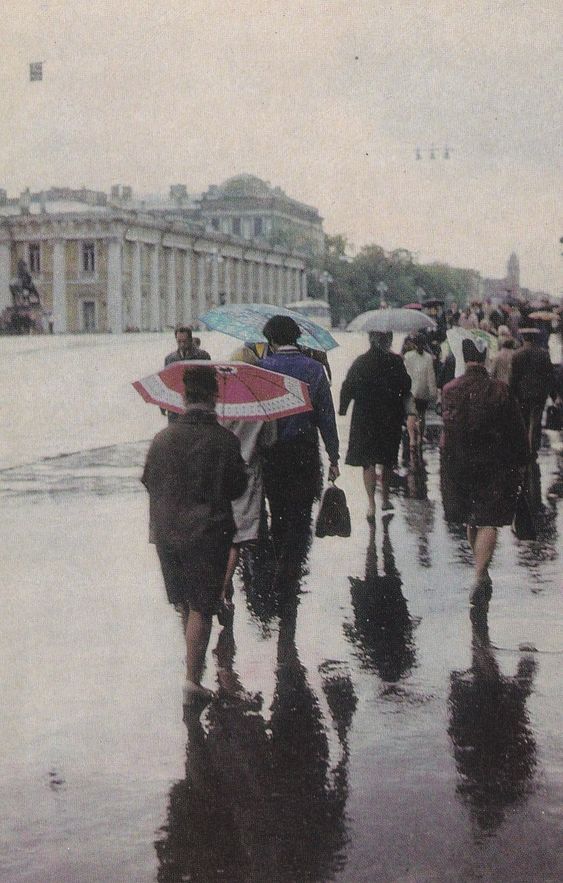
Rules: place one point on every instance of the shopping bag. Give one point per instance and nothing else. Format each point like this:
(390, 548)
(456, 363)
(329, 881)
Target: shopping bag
(554, 417)
(333, 519)
(523, 523)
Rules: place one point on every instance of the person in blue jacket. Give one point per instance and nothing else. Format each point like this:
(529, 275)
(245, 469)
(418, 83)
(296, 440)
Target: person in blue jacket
(292, 468)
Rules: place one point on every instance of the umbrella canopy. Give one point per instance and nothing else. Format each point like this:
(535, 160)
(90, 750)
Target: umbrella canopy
(245, 322)
(413, 306)
(543, 315)
(246, 392)
(391, 320)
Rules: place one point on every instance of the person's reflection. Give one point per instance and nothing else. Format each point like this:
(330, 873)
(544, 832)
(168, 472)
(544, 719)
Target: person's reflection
(533, 555)
(494, 747)
(383, 629)
(419, 510)
(271, 584)
(261, 799)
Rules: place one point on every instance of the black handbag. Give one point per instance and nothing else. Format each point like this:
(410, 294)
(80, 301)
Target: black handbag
(554, 417)
(333, 519)
(523, 523)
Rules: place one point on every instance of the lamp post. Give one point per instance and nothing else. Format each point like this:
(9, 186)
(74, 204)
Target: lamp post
(382, 288)
(326, 279)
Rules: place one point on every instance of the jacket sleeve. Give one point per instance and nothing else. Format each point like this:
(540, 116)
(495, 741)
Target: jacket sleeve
(236, 473)
(347, 392)
(324, 416)
(516, 443)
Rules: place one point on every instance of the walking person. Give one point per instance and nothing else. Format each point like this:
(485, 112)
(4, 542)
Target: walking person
(292, 467)
(186, 351)
(484, 456)
(420, 368)
(531, 381)
(248, 510)
(379, 385)
(193, 471)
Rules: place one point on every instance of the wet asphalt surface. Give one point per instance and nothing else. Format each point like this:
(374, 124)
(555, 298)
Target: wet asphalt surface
(365, 728)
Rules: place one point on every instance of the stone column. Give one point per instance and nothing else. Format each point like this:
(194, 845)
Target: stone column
(5, 293)
(154, 309)
(303, 285)
(262, 282)
(136, 288)
(228, 266)
(171, 318)
(250, 273)
(296, 284)
(201, 299)
(215, 278)
(59, 288)
(238, 281)
(115, 287)
(187, 305)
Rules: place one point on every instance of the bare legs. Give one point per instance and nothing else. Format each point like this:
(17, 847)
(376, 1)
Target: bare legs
(370, 484)
(197, 628)
(482, 541)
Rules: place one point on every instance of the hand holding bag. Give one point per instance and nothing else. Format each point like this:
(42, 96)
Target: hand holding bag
(334, 516)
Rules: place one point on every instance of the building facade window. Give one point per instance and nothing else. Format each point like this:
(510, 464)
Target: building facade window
(88, 257)
(215, 223)
(237, 227)
(258, 226)
(35, 257)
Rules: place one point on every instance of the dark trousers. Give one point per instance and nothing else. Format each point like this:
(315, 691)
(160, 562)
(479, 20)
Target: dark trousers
(292, 482)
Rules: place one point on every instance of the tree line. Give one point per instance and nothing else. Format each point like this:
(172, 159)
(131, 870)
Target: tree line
(374, 275)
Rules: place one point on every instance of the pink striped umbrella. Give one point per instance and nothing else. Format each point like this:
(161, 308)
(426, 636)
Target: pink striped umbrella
(246, 392)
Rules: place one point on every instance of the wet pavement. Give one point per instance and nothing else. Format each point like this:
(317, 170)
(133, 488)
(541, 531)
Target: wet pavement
(365, 728)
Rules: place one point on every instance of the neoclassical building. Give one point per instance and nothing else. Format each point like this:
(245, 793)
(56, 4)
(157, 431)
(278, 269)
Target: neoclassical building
(101, 266)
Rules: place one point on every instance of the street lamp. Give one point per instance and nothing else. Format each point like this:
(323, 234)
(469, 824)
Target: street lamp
(382, 288)
(326, 279)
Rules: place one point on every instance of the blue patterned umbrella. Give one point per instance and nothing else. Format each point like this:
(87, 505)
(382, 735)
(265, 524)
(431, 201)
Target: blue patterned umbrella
(245, 322)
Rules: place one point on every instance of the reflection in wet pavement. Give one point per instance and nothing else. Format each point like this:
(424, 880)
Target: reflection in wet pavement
(494, 747)
(359, 713)
(260, 800)
(108, 470)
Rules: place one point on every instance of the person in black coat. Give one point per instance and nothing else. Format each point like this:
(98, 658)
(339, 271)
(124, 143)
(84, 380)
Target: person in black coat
(379, 385)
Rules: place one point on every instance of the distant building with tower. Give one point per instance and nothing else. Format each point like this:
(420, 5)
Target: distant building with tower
(116, 263)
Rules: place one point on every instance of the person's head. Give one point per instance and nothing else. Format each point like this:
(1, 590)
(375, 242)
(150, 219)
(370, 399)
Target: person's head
(530, 336)
(419, 341)
(200, 385)
(183, 335)
(474, 350)
(381, 339)
(281, 331)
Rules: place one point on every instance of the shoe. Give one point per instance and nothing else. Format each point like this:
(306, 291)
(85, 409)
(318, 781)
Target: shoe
(481, 591)
(196, 694)
(226, 612)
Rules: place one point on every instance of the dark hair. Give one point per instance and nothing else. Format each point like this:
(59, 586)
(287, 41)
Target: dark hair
(419, 340)
(184, 329)
(473, 352)
(200, 385)
(383, 339)
(282, 330)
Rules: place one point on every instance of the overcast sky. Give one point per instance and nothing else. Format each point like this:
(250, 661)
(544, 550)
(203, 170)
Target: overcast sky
(329, 100)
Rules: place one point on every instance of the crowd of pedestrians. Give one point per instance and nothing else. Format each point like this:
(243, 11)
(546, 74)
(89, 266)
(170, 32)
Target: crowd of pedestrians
(212, 486)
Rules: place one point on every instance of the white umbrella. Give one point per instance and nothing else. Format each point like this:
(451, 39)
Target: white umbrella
(394, 319)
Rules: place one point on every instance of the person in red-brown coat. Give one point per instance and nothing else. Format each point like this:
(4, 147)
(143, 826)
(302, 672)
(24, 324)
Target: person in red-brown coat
(484, 451)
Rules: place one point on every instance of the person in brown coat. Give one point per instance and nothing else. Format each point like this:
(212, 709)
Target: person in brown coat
(484, 453)
(192, 472)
